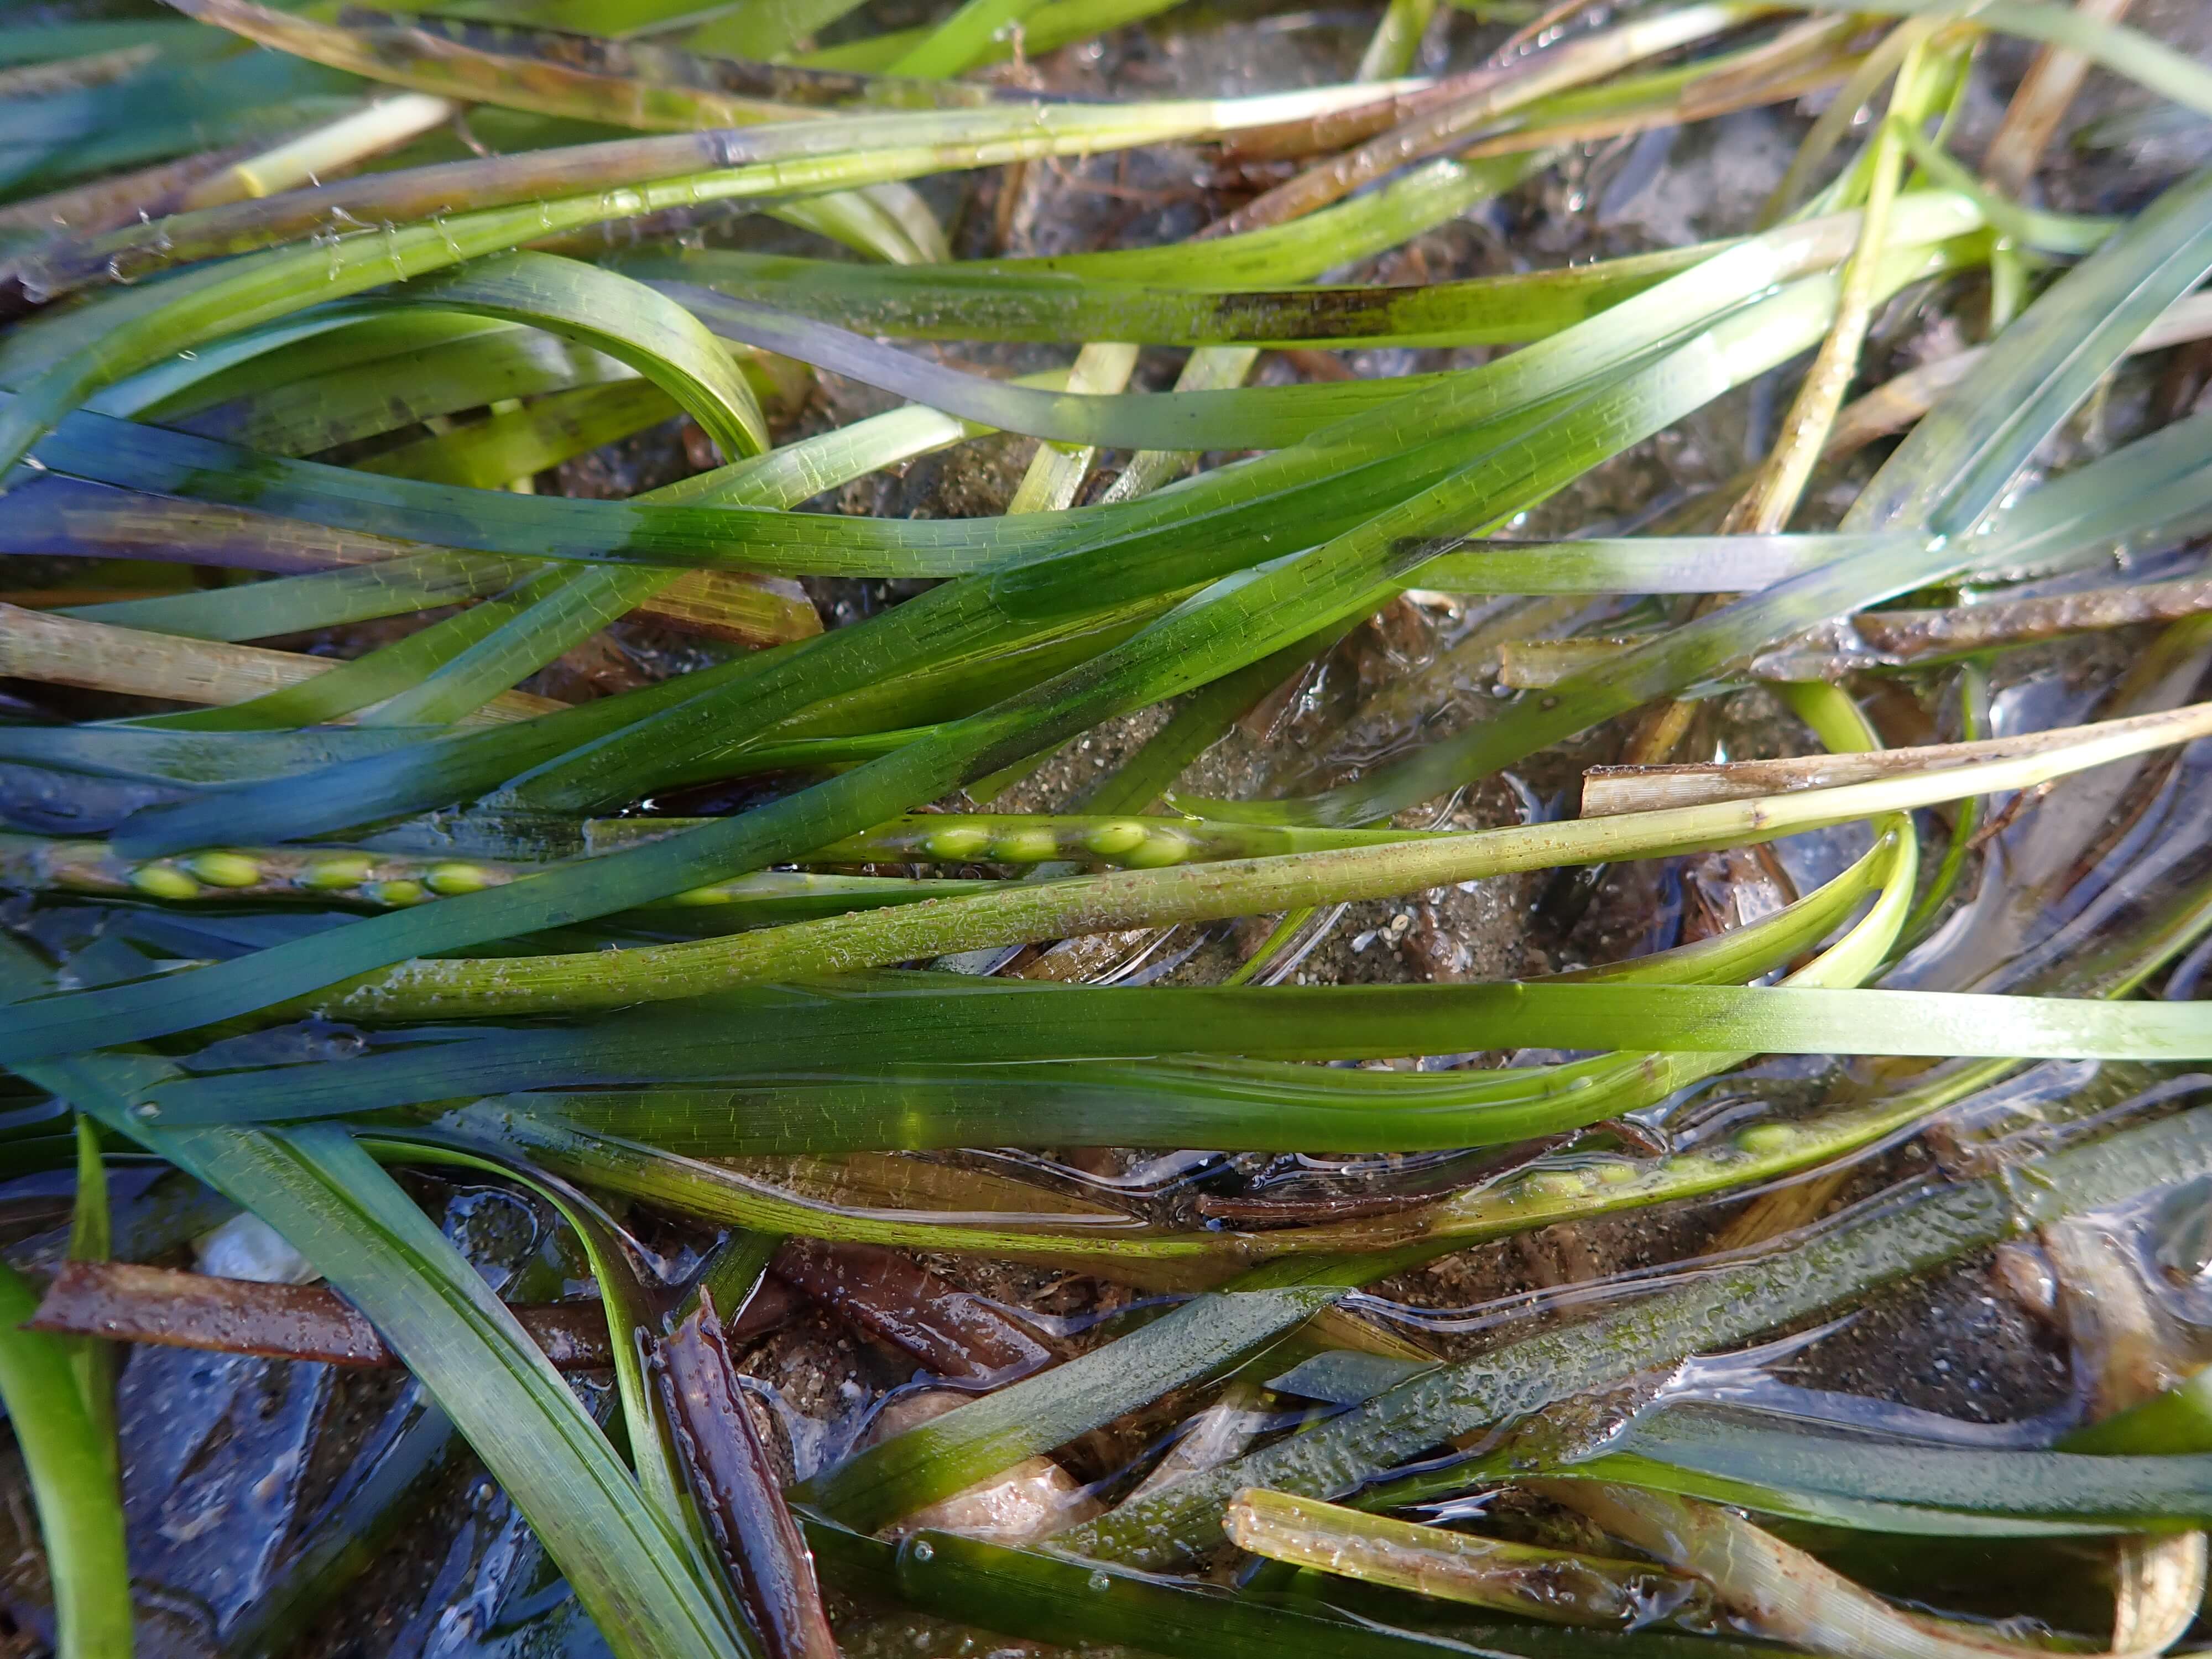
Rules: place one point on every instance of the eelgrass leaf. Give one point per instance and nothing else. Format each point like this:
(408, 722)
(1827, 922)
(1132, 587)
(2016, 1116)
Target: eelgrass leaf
(69, 1451)
(1031, 1592)
(2126, 51)
(647, 1144)
(1235, 623)
(519, 443)
(1770, 1450)
(999, 301)
(92, 1238)
(224, 299)
(1734, 275)
(392, 672)
(1370, 222)
(2178, 1420)
(1944, 478)
(772, 1030)
(1518, 371)
(1550, 1584)
(1857, 1252)
(974, 1441)
(268, 406)
(634, 1321)
(645, 85)
(767, 1035)
(319, 346)
(617, 315)
(1178, 892)
(366, 1236)
(294, 604)
(565, 606)
(166, 109)
(46, 42)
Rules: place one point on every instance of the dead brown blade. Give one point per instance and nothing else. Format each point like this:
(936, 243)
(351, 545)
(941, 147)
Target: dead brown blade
(737, 1490)
(953, 1332)
(123, 1302)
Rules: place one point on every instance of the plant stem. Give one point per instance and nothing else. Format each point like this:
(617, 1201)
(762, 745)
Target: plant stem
(1152, 897)
(38, 645)
(1550, 1585)
(1766, 508)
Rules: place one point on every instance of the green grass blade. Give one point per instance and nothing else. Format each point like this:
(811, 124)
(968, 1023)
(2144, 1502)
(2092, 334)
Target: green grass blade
(1945, 478)
(311, 349)
(1857, 1252)
(371, 1240)
(92, 1238)
(2177, 1420)
(575, 603)
(1969, 448)
(390, 672)
(1372, 222)
(1033, 1593)
(749, 1036)
(963, 39)
(517, 443)
(976, 1441)
(634, 1322)
(1149, 897)
(303, 415)
(283, 282)
(296, 605)
(2125, 52)
(987, 301)
(1232, 625)
(1760, 1449)
(71, 1463)
(581, 77)
(623, 317)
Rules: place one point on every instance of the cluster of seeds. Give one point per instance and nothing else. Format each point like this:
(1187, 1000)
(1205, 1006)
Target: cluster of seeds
(386, 881)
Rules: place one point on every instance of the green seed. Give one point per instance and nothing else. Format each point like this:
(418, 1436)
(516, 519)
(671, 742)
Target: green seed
(1766, 1138)
(1615, 1175)
(164, 881)
(956, 841)
(458, 879)
(400, 894)
(1161, 847)
(349, 870)
(1111, 841)
(716, 894)
(1026, 846)
(224, 869)
(1556, 1183)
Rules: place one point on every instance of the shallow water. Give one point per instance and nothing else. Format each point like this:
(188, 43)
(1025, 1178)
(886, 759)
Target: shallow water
(232, 1461)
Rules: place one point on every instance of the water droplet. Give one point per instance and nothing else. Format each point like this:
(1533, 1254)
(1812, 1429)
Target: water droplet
(922, 1551)
(1101, 1583)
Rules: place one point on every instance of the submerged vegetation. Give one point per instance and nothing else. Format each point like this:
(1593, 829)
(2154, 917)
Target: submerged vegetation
(1075, 824)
